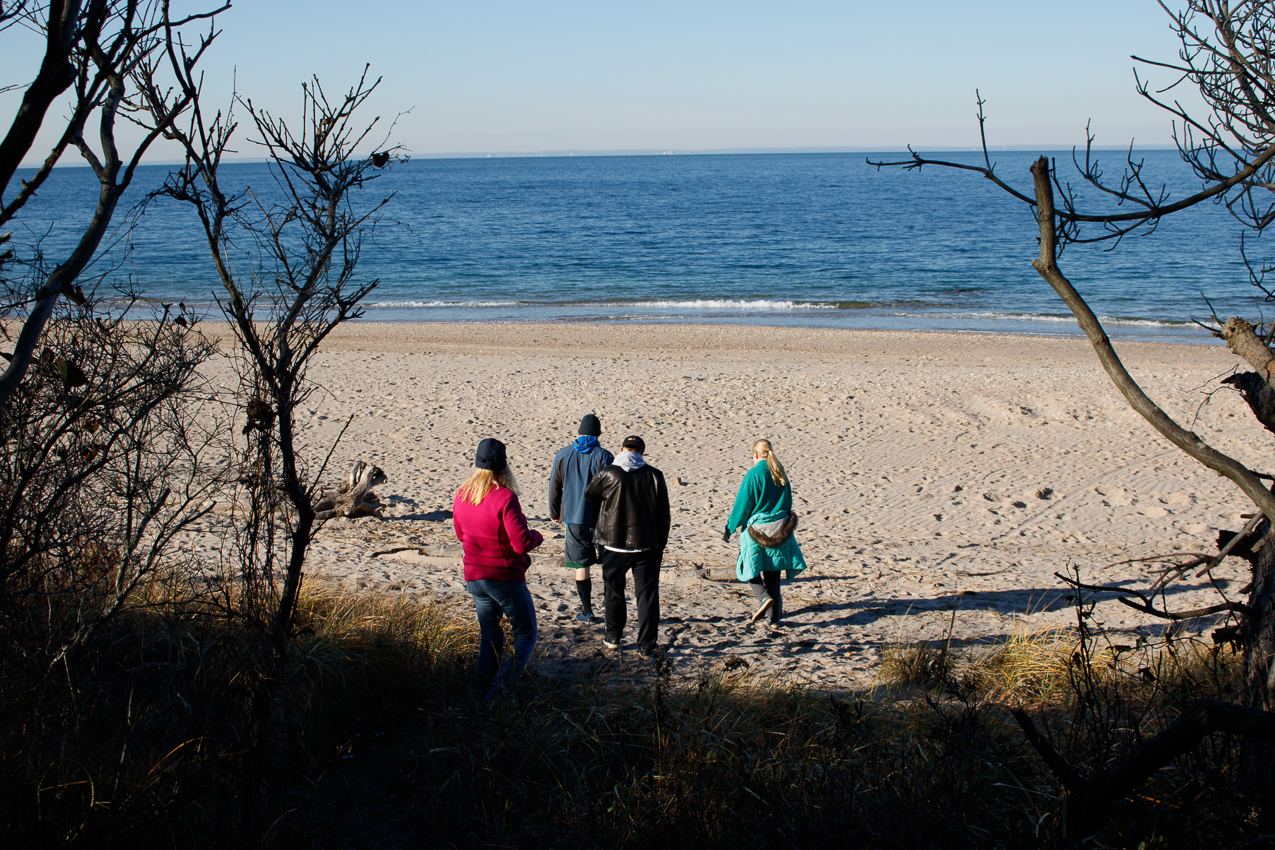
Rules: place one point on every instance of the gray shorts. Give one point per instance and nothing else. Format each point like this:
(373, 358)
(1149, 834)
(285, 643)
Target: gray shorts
(579, 549)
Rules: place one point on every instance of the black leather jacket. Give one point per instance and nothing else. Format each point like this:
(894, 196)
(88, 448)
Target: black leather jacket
(633, 509)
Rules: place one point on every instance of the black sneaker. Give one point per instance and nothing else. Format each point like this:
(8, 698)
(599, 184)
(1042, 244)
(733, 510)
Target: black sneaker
(585, 617)
(648, 651)
(610, 642)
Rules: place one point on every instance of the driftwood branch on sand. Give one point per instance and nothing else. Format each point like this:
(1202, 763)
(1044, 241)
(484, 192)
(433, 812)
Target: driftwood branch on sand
(354, 498)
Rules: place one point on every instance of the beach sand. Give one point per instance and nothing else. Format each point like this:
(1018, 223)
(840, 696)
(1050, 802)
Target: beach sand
(940, 479)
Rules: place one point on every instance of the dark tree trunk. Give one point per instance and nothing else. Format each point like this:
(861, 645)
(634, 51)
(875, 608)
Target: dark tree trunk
(1259, 631)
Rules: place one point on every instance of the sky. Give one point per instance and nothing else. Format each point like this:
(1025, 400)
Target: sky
(511, 76)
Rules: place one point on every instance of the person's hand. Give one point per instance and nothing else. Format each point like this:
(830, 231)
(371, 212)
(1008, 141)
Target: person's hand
(726, 536)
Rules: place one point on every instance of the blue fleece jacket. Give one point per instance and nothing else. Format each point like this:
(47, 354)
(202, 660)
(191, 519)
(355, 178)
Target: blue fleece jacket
(571, 472)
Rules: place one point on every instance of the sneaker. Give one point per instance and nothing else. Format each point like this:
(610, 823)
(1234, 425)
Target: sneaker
(648, 651)
(762, 609)
(584, 617)
(610, 642)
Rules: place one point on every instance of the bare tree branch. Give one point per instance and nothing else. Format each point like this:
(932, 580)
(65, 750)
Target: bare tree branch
(100, 47)
(307, 243)
(1187, 441)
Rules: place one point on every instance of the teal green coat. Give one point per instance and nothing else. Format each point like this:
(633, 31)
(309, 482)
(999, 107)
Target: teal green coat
(761, 500)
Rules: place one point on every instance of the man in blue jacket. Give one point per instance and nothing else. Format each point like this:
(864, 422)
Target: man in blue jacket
(573, 468)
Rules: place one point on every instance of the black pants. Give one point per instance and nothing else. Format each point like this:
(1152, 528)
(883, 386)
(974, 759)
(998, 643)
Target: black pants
(766, 586)
(646, 587)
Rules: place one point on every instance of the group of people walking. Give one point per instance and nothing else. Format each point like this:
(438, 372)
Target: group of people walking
(615, 513)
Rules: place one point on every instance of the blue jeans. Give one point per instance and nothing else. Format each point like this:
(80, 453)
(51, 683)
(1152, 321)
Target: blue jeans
(491, 599)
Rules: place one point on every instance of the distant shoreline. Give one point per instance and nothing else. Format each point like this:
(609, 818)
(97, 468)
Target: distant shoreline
(684, 336)
(356, 333)
(1063, 328)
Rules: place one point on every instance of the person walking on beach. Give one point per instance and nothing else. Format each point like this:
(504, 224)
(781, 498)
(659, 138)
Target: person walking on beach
(573, 468)
(763, 514)
(495, 540)
(632, 531)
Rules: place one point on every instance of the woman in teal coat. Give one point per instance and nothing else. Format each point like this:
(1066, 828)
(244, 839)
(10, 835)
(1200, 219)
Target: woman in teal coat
(763, 514)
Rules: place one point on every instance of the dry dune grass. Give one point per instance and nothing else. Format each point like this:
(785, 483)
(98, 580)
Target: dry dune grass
(388, 745)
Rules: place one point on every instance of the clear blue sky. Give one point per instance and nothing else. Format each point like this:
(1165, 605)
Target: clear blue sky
(506, 76)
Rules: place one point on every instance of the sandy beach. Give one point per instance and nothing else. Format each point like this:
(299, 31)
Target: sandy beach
(932, 474)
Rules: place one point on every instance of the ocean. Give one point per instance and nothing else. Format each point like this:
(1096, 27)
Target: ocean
(819, 240)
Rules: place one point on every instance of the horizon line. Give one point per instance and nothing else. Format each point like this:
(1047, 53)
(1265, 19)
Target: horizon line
(567, 152)
(814, 149)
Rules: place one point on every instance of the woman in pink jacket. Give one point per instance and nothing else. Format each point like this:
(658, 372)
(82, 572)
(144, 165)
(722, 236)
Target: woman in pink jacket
(495, 538)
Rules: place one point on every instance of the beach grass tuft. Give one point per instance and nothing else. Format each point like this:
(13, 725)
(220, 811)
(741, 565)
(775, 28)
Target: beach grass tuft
(1028, 666)
(922, 664)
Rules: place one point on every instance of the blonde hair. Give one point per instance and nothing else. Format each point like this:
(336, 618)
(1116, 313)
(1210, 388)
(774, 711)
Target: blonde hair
(482, 481)
(762, 449)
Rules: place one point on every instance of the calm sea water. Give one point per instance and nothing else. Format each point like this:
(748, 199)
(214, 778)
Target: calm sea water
(819, 240)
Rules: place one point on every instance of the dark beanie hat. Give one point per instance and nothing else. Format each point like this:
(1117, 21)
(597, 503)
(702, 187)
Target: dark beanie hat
(590, 425)
(634, 443)
(490, 455)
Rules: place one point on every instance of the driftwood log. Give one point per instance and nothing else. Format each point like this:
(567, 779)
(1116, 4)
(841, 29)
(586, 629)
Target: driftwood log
(354, 496)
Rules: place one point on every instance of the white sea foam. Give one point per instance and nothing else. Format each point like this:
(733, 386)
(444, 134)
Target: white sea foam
(1068, 320)
(758, 305)
(392, 305)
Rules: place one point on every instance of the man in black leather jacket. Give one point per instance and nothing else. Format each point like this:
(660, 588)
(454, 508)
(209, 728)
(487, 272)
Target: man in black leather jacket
(632, 531)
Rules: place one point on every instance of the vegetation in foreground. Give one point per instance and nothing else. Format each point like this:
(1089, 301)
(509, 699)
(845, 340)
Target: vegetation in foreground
(155, 746)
